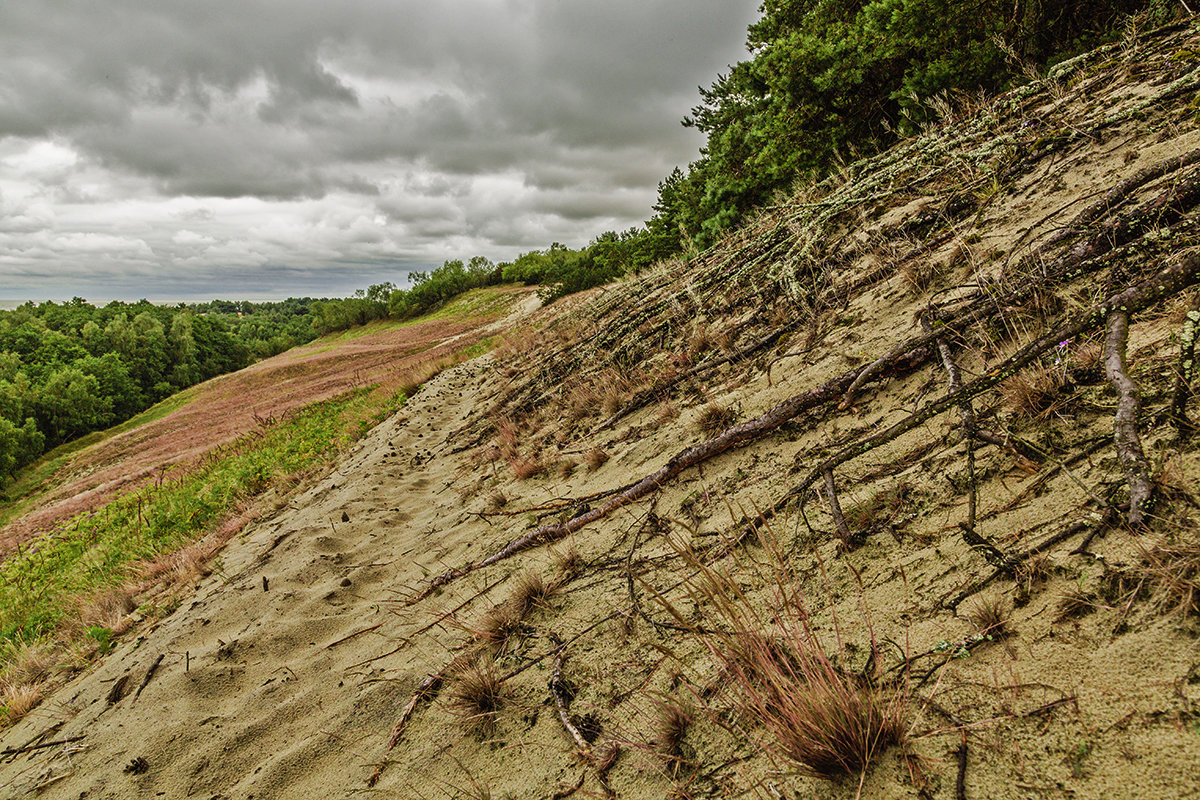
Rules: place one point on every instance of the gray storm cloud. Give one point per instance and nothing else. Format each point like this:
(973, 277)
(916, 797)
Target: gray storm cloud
(324, 144)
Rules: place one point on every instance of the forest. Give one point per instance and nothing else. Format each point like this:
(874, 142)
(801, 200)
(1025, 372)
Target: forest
(828, 80)
(67, 369)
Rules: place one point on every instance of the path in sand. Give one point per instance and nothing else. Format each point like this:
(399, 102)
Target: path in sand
(254, 695)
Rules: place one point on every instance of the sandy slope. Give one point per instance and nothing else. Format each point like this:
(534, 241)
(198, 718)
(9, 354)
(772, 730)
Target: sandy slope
(289, 689)
(254, 696)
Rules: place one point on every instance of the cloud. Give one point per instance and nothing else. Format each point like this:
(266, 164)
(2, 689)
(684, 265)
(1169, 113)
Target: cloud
(312, 136)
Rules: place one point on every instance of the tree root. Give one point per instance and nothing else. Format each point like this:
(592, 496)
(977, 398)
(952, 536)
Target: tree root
(1166, 282)
(1125, 431)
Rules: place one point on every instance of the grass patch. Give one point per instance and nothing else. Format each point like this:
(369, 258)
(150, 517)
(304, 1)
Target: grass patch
(29, 484)
(102, 548)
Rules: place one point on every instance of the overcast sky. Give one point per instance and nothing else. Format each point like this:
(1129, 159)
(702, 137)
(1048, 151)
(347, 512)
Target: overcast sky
(179, 149)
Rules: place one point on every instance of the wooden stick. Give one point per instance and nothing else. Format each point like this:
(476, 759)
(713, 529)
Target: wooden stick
(1125, 431)
(13, 751)
(835, 510)
(149, 674)
(332, 645)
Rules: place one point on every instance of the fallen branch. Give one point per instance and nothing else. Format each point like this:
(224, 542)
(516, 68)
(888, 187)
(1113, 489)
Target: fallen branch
(12, 751)
(1185, 371)
(1164, 283)
(1125, 432)
(149, 674)
(562, 701)
(967, 415)
(1010, 563)
(835, 510)
(426, 690)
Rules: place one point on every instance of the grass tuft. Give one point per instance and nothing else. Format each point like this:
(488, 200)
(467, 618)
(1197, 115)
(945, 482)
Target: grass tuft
(715, 418)
(499, 628)
(1172, 570)
(828, 722)
(1032, 392)
(477, 695)
(595, 458)
(670, 727)
(531, 592)
(990, 615)
(19, 699)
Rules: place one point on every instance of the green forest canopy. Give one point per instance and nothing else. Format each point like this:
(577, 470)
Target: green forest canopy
(71, 368)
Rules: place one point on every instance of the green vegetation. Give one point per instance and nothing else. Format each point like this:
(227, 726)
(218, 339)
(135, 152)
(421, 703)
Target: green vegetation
(827, 78)
(72, 368)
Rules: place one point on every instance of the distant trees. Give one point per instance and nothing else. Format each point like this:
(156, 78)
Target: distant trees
(70, 368)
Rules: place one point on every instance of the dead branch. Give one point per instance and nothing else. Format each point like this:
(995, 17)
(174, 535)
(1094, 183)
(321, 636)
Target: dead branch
(835, 510)
(1185, 371)
(1166, 282)
(562, 700)
(967, 414)
(1125, 431)
(149, 674)
(425, 691)
(1010, 563)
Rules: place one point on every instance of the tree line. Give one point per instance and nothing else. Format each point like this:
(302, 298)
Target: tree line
(827, 79)
(70, 368)
(558, 270)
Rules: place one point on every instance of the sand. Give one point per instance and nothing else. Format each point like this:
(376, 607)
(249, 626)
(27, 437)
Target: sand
(284, 672)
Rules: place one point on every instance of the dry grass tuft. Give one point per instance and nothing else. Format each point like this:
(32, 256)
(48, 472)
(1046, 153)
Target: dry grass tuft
(670, 727)
(497, 500)
(111, 608)
(477, 695)
(525, 467)
(30, 664)
(882, 508)
(595, 458)
(1075, 602)
(827, 721)
(499, 628)
(714, 419)
(20, 698)
(667, 412)
(569, 562)
(990, 615)
(1032, 392)
(566, 468)
(919, 275)
(531, 592)
(1172, 570)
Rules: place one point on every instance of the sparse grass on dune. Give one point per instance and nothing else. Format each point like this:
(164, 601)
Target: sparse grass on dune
(56, 591)
(99, 549)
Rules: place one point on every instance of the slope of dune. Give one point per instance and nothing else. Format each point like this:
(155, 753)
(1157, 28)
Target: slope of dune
(756, 453)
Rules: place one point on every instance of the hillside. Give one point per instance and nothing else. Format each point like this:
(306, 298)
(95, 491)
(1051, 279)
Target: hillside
(879, 456)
